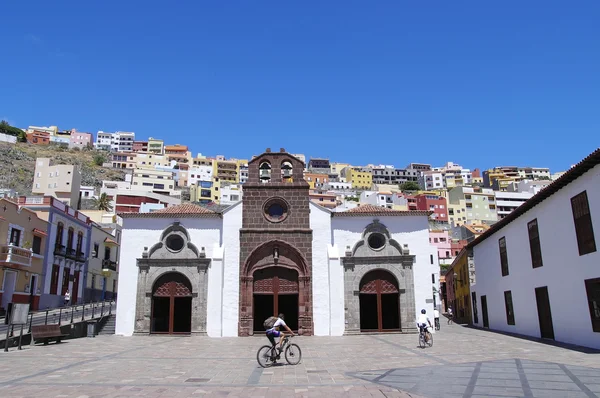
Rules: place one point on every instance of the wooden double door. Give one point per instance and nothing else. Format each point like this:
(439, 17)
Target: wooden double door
(172, 305)
(379, 301)
(275, 291)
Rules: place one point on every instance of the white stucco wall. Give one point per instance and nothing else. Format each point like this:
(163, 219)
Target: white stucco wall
(410, 230)
(145, 232)
(563, 270)
(320, 223)
(232, 222)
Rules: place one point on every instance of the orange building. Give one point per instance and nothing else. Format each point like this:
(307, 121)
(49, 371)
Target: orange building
(22, 256)
(325, 199)
(38, 137)
(316, 180)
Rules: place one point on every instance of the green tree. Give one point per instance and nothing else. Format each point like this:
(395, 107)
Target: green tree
(102, 202)
(409, 186)
(99, 159)
(6, 128)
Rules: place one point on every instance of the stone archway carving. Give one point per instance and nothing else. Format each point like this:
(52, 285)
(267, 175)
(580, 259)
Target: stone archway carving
(392, 257)
(275, 253)
(173, 253)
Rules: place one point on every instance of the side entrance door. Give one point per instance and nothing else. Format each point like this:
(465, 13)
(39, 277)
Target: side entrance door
(544, 312)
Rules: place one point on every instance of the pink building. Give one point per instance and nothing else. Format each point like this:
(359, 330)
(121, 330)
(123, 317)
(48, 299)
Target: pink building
(80, 140)
(441, 240)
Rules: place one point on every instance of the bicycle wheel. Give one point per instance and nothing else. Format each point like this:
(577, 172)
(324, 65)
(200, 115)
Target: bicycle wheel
(430, 339)
(263, 356)
(293, 354)
(421, 340)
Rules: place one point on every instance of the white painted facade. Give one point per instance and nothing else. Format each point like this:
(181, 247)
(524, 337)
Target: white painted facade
(563, 272)
(231, 194)
(200, 173)
(220, 238)
(507, 202)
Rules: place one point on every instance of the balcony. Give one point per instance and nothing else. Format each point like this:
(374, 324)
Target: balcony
(15, 255)
(80, 257)
(59, 250)
(108, 265)
(72, 254)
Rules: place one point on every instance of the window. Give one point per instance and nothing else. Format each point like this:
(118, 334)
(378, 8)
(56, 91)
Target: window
(503, 256)
(432, 278)
(510, 315)
(431, 258)
(435, 240)
(583, 224)
(59, 234)
(79, 241)
(447, 254)
(96, 250)
(592, 286)
(36, 246)
(15, 236)
(54, 280)
(534, 244)
(106, 253)
(70, 238)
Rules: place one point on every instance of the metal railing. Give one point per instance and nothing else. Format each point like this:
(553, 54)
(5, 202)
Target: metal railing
(65, 315)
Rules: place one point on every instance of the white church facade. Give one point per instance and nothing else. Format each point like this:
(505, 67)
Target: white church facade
(189, 270)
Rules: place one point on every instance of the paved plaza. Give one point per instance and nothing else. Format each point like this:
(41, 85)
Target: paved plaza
(462, 363)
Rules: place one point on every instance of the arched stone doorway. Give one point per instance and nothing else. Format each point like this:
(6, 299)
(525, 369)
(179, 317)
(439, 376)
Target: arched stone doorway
(275, 291)
(379, 301)
(275, 279)
(171, 304)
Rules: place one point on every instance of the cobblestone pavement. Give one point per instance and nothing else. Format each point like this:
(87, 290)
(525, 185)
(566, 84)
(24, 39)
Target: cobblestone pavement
(462, 363)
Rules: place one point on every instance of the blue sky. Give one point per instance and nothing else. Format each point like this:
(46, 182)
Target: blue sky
(392, 82)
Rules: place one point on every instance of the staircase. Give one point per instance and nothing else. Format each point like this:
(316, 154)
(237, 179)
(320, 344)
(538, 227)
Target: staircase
(108, 325)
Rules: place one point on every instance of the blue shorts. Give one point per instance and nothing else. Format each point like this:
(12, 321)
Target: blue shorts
(274, 333)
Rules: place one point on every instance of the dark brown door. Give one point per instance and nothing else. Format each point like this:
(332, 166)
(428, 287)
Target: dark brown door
(172, 305)
(544, 312)
(276, 291)
(75, 287)
(484, 312)
(379, 302)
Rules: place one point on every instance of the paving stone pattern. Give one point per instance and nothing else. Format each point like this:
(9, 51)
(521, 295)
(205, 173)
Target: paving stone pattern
(461, 363)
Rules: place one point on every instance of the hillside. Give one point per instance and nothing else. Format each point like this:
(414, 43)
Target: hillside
(18, 165)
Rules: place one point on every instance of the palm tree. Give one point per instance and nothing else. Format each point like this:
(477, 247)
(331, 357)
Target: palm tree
(103, 202)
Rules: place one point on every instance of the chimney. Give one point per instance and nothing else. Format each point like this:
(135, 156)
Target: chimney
(268, 150)
(282, 150)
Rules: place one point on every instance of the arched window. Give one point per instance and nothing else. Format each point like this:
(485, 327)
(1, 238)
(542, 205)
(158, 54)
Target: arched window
(265, 172)
(70, 235)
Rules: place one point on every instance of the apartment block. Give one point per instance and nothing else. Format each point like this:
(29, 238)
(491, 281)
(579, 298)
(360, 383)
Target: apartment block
(51, 130)
(448, 176)
(23, 239)
(323, 198)
(156, 145)
(532, 187)
(507, 202)
(38, 137)
(243, 172)
(359, 177)
(199, 174)
(150, 160)
(66, 255)
(480, 203)
(316, 180)
(80, 140)
(335, 173)
(390, 175)
(119, 141)
(387, 199)
(140, 146)
(102, 273)
(122, 160)
(437, 204)
(500, 177)
(157, 181)
(226, 170)
(230, 194)
(178, 153)
(61, 181)
(319, 166)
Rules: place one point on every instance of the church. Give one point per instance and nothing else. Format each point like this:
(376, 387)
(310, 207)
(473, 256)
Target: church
(189, 270)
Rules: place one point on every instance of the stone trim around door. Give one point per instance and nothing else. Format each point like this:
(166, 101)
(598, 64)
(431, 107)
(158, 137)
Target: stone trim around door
(150, 270)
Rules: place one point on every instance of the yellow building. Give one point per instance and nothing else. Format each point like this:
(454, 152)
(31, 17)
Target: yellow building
(22, 256)
(157, 181)
(336, 168)
(316, 180)
(458, 286)
(156, 146)
(226, 170)
(457, 213)
(150, 160)
(359, 178)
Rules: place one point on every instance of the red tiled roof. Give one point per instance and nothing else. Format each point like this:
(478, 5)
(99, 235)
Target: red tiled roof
(185, 209)
(108, 240)
(591, 161)
(372, 210)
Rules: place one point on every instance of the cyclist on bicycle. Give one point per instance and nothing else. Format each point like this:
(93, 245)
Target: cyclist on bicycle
(422, 323)
(275, 332)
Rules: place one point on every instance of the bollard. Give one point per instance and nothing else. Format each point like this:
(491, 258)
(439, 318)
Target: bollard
(46, 322)
(83, 313)
(59, 317)
(72, 313)
(93, 308)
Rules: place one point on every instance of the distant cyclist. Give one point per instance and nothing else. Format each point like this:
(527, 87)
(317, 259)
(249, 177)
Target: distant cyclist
(423, 322)
(436, 318)
(275, 332)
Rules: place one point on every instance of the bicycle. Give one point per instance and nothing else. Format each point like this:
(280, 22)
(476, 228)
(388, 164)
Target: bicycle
(268, 355)
(422, 341)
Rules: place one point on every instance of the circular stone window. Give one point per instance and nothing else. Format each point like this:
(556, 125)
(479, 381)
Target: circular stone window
(175, 243)
(376, 241)
(276, 210)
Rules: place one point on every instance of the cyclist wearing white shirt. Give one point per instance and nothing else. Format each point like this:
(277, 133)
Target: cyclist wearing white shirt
(274, 331)
(422, 322)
